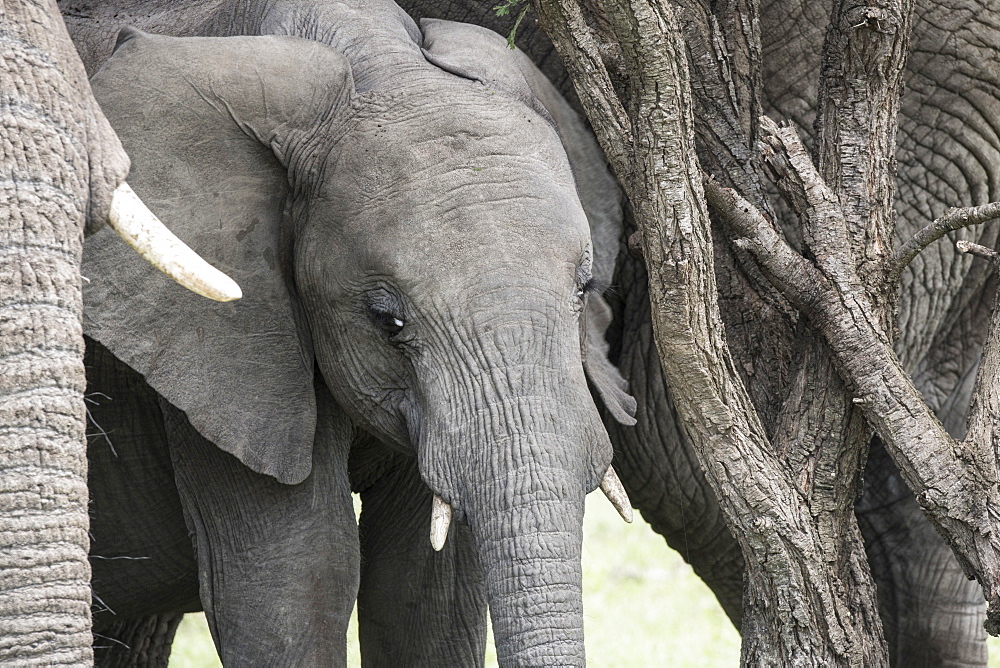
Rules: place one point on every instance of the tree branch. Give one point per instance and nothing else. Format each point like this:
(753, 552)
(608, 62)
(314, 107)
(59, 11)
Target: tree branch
(787, 270)
(864, 54)
(954, 219)
(723, 45)
(788, 564)
(955, 483)
(567, 27)
(846, 210)
(824, 228)
(983, 435)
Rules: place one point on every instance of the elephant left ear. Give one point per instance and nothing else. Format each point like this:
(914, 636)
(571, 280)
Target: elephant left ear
(601, 373)
(479, 54)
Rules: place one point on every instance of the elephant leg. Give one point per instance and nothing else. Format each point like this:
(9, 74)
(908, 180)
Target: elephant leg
(932, 614)
(415, 606)
(142, 642)
(141, 559)
(277, 564)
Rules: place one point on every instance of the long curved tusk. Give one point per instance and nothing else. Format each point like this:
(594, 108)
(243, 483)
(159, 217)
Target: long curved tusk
(440, 521)
(613, 489)
(144, 232)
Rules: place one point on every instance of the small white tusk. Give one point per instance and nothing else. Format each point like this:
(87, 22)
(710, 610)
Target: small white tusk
(144, 232)
(613, 489)
(440, 520)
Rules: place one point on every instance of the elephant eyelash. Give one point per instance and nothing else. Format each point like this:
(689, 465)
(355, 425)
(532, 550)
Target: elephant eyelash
(592, 285)
(587, 287)
(385, 309)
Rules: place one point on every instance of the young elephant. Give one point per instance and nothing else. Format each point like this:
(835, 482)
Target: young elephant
(404, 220)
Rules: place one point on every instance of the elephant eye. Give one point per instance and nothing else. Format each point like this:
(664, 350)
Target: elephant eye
(589, 286)
(388, 322)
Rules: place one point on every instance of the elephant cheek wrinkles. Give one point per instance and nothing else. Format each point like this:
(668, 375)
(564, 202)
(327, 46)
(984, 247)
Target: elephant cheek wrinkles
(506, 396)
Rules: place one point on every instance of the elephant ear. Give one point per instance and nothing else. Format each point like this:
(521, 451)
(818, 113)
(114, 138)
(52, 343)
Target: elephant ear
(479, 54)
(212, 125)
(604, 375)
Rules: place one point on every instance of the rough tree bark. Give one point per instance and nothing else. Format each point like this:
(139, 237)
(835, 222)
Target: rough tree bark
(955, 482)
(787, 476)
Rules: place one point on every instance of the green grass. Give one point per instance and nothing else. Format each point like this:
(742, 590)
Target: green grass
(193, 646)
(642, 604)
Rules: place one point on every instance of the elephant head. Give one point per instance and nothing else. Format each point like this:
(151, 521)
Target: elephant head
(403, 215)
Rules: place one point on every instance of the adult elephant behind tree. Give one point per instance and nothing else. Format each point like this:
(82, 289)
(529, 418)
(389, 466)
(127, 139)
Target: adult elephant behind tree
(60, 166)
(402, 211)
(949, 155)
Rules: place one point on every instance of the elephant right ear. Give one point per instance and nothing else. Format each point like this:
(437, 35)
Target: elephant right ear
(212, 126)
(603, 375)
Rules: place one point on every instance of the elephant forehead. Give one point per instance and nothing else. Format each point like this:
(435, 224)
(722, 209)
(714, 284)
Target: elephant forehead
(463, 213)
(429, 247)
(420, 241)
(455, 135)
(464, 180)
(452, 194)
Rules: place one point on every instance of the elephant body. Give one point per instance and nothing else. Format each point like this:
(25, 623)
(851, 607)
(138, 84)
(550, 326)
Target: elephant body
(301, 540)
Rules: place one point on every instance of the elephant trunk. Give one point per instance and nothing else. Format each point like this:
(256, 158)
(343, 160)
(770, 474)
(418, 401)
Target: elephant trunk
(520, 485)
(509, 438)
(528, 530)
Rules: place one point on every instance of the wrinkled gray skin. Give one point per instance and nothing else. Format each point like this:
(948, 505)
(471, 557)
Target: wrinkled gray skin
(59, 164)
(401, 213)
(949, 155)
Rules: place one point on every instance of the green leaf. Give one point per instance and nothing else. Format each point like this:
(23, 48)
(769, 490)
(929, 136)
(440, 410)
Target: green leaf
(517, 24)
(504, 9)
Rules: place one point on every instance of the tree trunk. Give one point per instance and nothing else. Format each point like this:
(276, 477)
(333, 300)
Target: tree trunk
(787, 489)
(49, 125)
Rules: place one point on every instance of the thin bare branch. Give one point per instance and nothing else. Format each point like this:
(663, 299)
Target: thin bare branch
(978, 251)
(981, 446)
(954, 219)
(983, 433)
